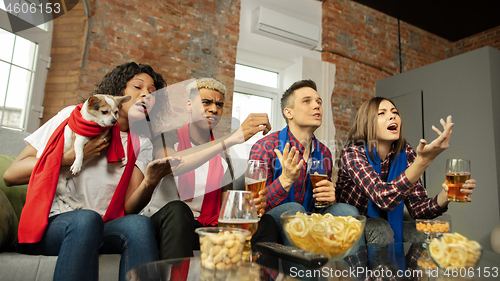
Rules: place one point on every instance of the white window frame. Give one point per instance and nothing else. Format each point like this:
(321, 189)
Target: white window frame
(263, 91)
(34, 105)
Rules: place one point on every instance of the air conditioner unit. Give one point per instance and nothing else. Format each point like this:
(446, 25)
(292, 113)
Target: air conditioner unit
(285, 28)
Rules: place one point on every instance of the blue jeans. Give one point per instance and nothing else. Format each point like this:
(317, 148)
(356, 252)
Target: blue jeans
(338, 209)
(78, 237)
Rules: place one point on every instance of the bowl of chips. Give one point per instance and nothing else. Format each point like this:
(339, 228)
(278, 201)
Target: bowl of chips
(454, 251)
(432, 228)
(332, 236)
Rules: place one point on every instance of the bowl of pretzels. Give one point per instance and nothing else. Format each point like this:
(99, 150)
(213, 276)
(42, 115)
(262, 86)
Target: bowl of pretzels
(453, 251)
(332, 236)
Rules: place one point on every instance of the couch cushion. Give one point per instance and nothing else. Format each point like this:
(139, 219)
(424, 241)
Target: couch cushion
(20, 267)
(12, 141)
(15, 194)
(8, 224)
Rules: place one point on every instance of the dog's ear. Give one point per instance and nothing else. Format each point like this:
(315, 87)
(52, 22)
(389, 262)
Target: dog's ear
(123, 99)
(93, 102)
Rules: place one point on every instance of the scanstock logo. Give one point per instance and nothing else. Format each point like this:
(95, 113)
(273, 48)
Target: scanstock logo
(27, 14)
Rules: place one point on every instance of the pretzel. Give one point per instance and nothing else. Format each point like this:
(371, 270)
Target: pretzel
(454, 250)
(327, 235)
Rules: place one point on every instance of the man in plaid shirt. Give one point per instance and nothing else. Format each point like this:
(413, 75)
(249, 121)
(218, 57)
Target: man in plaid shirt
(288, 154)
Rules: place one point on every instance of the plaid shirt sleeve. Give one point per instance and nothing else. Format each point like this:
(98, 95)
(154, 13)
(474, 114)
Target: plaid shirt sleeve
(264, 150)
(417, 202)
(386, 195)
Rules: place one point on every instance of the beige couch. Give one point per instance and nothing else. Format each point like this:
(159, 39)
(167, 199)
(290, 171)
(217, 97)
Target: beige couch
(14, 266)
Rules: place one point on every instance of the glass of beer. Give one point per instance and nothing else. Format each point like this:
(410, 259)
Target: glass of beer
(317, 173)
(457, 172)
(255, 178)
(238, 211)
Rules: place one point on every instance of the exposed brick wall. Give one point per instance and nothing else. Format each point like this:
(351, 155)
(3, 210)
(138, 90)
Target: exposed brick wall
(370, 38)
(63, 77)
(489, 37)
(180, 39)
(183, 39)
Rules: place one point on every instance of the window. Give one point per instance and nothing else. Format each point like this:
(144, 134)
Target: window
(256, 76)
(17, 71)
(245, 103)
(24, 59)
(256, 91)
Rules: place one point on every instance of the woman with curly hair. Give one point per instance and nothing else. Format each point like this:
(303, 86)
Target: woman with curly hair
(77, 237)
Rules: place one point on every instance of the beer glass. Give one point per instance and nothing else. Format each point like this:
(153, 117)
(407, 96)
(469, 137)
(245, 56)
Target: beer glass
(255, 178)
(238, 211)
(457, 172)
(317, 173)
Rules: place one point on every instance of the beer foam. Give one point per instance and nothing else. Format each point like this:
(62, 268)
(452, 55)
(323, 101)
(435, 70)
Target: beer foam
(252, 181)
(238, 221)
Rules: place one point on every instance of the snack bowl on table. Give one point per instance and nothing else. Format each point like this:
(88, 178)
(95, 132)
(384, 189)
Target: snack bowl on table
(432, 228)
(425, 261)
(221, 247)
(453, 251)
(333, 236)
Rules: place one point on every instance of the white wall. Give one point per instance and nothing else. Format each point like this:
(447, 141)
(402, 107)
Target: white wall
(272, 52)
(261, 51)
(323, 73)
(466, 87)
(294, 63)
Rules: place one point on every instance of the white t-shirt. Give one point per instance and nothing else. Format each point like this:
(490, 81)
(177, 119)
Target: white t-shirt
(166, 191)
(95, 185)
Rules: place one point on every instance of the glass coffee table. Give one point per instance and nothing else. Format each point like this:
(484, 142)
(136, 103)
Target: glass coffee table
(399, 261)
(191, 269)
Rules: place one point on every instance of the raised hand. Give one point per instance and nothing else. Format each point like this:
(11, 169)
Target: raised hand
(290, 166)
(430, 151)
(254, 123)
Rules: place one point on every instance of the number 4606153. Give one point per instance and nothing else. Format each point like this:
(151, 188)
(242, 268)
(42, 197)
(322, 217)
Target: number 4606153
(471, 272)
(32, 8)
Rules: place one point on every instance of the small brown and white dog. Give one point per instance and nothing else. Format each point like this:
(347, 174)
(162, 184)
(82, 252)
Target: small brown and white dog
(101, 109)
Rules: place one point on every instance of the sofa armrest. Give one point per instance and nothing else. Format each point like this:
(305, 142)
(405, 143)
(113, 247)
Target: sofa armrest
(8, 225)
(12, 141)
(15, 194)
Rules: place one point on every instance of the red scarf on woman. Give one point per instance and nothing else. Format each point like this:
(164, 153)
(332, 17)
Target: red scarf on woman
(43, 181)
(210, 208)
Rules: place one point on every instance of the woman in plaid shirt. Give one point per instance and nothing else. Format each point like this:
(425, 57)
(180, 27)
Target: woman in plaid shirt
(379, 171)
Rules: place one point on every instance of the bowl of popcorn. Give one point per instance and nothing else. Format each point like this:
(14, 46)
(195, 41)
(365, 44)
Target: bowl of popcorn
(332, 236)
(221, 247)
(432, 228)
(453, 251)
